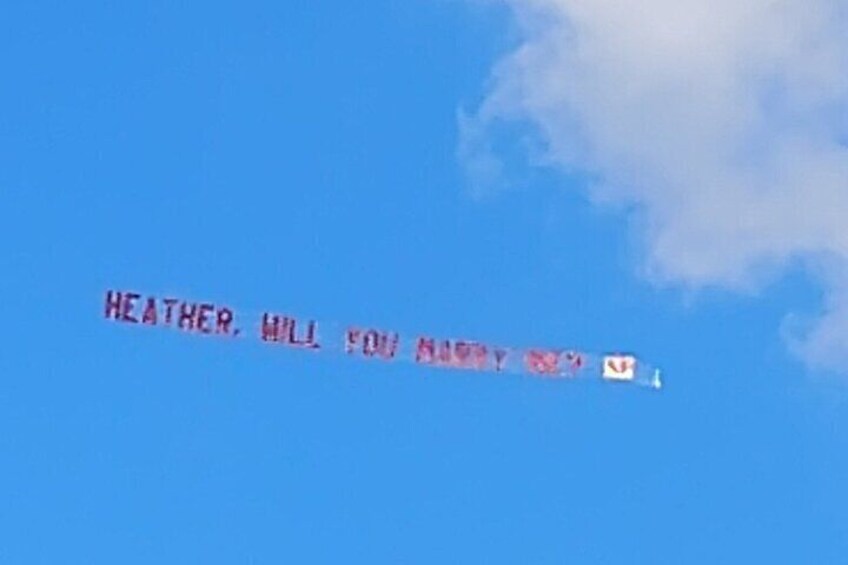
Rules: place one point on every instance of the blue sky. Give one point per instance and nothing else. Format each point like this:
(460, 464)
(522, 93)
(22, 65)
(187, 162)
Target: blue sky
(301, 157)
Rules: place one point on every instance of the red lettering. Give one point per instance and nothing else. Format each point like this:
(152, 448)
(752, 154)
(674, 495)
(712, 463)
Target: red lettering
(389, 346)
(223, 321)
(444, 354)
(270, 328)
(481, 356)
(113, 305)
(352, 338)
(371, 343)
(287, 330)
(470, 355)
(283, 329)
(459, 354)
(425, 350)
(542, 362)
(202, 312)
(187, 314)
(169, 309)
(129, 303)
(149, 315)
(574, 360)
(462, 351)
(309, 341)
(500, 359)
(312, 336)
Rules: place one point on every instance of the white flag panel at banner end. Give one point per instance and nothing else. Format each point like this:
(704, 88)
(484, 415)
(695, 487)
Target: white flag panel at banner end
(619, 367)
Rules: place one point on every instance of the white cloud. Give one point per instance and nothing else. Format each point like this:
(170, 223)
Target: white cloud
(719, 122)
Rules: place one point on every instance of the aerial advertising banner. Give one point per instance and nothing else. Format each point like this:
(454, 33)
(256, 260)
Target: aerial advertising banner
(284, 330)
